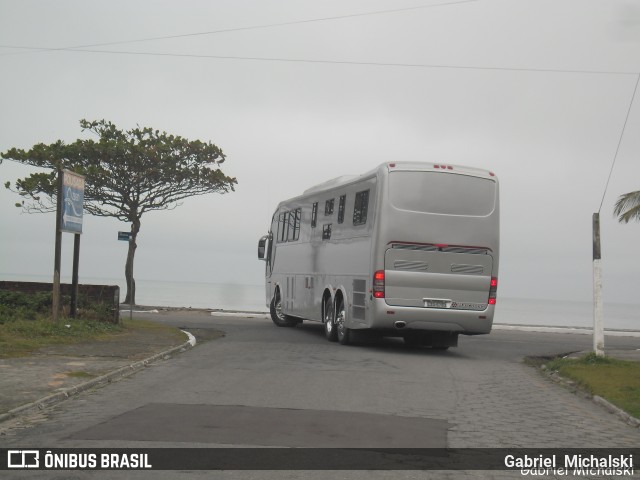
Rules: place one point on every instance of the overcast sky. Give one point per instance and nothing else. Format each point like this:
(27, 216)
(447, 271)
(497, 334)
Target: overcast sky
(536, 91)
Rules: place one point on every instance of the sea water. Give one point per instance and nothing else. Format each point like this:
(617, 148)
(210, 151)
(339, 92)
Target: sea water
(513, 311)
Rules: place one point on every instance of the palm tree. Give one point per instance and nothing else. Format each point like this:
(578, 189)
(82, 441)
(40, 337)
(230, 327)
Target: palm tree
(628, 207)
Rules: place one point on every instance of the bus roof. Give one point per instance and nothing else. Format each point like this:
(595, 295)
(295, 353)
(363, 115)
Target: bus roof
(399, 166)
(394, 166)
(447, 167)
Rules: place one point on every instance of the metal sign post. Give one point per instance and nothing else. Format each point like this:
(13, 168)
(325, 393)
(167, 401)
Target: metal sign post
(74, 277)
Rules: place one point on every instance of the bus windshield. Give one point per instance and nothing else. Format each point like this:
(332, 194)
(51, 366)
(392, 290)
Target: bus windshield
(442, 193)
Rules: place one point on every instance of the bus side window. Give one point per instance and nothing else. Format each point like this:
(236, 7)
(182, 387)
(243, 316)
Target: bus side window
(284, 234)
(294, 222)
(343, 200)
(326, 231)
(328, 207)
(314, 215)
(360, 208)
(291, 227)
(280, 227)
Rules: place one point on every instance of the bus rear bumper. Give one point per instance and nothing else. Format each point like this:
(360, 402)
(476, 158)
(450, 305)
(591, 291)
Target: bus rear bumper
(466, 322)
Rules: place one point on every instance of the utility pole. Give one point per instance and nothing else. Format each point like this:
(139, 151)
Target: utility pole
(598, 326)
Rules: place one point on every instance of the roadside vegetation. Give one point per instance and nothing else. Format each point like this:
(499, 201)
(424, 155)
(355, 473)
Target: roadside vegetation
(37, 305)
(26, 325)
(617, 381)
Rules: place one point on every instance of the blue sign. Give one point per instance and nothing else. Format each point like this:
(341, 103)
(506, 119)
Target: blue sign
(125, 236)
(72, 201)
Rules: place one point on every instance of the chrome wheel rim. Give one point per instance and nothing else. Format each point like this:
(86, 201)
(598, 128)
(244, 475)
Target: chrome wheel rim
(340, 322)
(279, 313)
(328, 323)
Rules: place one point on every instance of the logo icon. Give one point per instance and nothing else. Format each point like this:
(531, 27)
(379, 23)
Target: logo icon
(23, 458)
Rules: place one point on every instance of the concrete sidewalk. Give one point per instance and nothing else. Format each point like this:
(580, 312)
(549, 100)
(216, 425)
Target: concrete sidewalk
(57, 372)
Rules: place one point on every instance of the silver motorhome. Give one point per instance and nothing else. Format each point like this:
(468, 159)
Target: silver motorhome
(408, 249)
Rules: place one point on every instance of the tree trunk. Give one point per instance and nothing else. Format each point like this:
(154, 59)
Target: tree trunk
(130, 298)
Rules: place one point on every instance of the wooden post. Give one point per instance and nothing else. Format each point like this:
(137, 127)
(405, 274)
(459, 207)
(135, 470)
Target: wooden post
(74, 279)
(598, 327)
(58, 253)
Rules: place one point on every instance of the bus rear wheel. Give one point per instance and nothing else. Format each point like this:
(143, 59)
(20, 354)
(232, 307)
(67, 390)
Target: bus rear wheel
(329, 325)
(343, 333)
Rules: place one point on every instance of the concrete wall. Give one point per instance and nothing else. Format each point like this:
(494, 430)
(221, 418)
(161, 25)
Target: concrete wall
(105, 294)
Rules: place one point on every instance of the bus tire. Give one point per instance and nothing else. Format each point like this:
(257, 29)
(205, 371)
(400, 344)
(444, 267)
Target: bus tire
(329, 325)
(279, 318)
(343, 333)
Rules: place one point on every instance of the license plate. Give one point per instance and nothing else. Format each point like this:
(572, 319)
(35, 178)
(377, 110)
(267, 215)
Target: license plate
(434, 303)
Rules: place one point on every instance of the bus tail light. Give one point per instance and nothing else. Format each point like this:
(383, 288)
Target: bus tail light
(493, 290)
(378, 284)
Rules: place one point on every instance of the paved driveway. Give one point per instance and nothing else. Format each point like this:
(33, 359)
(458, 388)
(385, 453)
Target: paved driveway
(266, 386)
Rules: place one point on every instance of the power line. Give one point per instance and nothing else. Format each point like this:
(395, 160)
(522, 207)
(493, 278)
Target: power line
(239, 29)
(86, 48)
(624, 127)
(348, 62)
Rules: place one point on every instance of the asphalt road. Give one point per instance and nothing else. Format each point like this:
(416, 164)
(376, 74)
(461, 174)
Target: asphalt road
(261, 385)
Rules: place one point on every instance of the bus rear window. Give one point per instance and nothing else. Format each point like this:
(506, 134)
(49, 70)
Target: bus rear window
(442, 193)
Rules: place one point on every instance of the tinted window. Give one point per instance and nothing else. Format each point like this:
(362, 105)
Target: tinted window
(289, 226)
(442, 193)
(343, 200)
(295, 233)
(282, 235)
(360, 208)
(328, 207)
(314, 215)
(326, 231)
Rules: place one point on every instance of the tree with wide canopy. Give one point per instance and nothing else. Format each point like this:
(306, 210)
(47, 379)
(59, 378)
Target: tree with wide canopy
(127, 173)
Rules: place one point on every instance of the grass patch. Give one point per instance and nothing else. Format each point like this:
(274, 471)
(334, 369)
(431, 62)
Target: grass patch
(150, 327)
(26, 325)
(617, 381)
(20, 337)
(33, 306)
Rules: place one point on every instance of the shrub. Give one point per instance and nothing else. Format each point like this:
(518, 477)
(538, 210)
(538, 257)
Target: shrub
(32, 306)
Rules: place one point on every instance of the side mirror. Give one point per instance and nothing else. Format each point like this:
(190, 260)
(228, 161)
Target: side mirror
(262, 247)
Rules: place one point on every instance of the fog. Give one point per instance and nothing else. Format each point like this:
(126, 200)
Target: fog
(537, 92)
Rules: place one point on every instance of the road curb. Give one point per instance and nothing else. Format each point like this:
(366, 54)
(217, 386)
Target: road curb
(611, 408)
(624, 416)
(110, 377)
